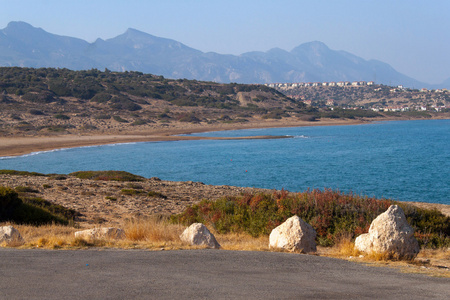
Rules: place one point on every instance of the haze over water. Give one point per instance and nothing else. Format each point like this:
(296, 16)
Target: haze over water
(406, 160)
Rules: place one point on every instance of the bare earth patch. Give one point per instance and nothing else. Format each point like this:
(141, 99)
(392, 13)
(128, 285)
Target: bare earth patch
(111, 203)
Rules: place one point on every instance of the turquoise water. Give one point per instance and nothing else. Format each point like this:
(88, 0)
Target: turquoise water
(406, 160)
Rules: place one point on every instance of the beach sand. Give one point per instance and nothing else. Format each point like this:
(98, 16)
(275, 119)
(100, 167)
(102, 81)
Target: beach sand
(20, 145)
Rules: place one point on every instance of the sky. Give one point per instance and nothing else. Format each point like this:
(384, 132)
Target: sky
(413, 36)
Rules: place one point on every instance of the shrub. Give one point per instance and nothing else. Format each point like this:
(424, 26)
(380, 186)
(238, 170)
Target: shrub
(36, 112)
(131, 192)
(102, 117)
(331, 213)
(57, 176)
(107, 175)
(56, 209)
(156, 195)
(138, 122)
(59, 128)
(88, 127)
(29, 214)
(25, 189)
(20, 173)
(101, 98)
(9, 201)
(42, 97)
(119, 119)
(30, 210)
(189, 118)
(62, 117)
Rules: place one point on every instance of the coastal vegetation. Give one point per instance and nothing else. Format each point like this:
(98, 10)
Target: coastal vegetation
(107, 175)
(47, 209)
(332, 214)
(31, 210)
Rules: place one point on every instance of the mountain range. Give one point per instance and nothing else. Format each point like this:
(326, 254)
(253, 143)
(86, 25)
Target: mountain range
(23, 45)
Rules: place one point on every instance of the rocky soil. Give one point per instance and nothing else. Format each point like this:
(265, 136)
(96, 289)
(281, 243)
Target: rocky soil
(110, 202)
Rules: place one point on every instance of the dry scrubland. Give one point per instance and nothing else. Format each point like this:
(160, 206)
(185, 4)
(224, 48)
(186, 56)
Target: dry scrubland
(44, 109)
(142, 207)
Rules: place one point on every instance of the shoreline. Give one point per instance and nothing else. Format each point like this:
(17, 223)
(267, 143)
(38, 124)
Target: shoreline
(23, 145)
(11, 146)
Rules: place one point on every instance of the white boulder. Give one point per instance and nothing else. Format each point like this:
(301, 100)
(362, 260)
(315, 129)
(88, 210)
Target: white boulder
(101, 233)
(9, 234)
(294, 235)
(390, 233)
(198, 234)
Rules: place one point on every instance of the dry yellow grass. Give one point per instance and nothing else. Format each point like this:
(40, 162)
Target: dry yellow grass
(242, 241)
(152, 229)
(432, 262)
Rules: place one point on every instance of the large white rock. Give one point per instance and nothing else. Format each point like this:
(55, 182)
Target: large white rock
(294, 235)
(101, 233)
(390, 233)
(198, 234)
(9, 234)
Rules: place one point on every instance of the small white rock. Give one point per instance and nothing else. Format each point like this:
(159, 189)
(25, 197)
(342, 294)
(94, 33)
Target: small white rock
(198, 234)
(101, 233)
(10, 234)
(294, 234)
(390, 233)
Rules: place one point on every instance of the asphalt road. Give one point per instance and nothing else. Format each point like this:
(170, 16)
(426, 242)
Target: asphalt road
(204, 274)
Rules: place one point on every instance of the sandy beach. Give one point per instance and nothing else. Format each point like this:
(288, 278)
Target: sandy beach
(20, 145)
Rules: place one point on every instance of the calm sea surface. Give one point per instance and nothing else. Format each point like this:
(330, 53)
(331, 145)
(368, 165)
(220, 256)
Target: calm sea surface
(406, 160)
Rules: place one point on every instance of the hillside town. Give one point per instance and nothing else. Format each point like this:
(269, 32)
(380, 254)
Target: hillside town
(366, 95)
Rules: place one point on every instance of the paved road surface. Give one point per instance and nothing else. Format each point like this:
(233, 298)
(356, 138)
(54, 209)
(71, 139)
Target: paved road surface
(206, 274)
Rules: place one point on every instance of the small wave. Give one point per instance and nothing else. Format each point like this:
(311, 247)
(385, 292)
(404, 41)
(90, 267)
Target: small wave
(301, 137)
(116, 144)
(34, 153)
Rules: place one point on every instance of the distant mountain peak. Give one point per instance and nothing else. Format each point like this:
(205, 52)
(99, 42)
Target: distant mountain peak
(315, 47)
(19, 27)
(21, 44)
(135, 32)
(18, 24)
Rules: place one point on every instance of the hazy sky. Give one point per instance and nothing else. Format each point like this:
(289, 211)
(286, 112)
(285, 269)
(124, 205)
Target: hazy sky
(413, 36)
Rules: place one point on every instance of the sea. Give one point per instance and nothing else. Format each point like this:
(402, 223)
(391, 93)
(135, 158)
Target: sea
(398, 160)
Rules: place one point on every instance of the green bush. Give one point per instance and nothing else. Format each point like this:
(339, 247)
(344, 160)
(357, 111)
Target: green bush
(56, 209)
(31, 210)
(131, 192)
(30, 214)
(20, 173)
(25, 189)
(138, 122)
(36, 112)
(191, 118)
(61, 117)
(9, 201)
(154, 194)
(102, 117)
(101, 98)
(107, 175)
(119, 119)
(331, 213)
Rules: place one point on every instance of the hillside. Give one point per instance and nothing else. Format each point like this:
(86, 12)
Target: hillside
(48, 101)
